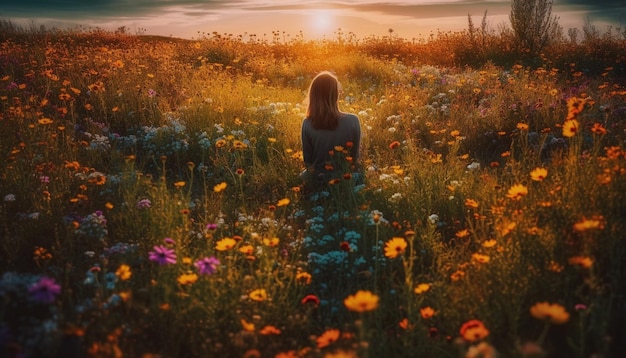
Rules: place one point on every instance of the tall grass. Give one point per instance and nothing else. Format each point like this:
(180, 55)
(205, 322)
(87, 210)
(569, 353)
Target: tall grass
(152, 201)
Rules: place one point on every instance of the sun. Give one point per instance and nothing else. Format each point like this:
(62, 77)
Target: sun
(322, 21)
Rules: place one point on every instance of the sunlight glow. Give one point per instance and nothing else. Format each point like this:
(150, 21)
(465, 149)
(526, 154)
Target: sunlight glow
(322, 22)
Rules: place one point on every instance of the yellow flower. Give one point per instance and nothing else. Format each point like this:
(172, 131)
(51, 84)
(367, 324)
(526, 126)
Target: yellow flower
(539, 174)
(522, 126)
(237, 144)
(598, 128)
(225, 244)
(570, 128)
(395, 247)
(283, 202)
(219, 187)
(187, 278)
(421, 288)
(179, 184)
(553, 313)
(271, 242)
(362, 301)
(517, 191)
(246, 249)
(258, 295)
(327, 338)
(427, 312)
(45, 121)
(220, 143)
(123, 272)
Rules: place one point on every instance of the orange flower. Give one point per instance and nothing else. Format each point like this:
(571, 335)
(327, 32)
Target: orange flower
(123, 272)
(480, 258)
(471, 203)
(304, 277)
(362, 301)
(219, 187)
(553, 313)
(517, 191)
(187, 278)
(522, 126)
(421, 288)
(582, 261)
(589, 224)
(473, 330)
(271, 242)
(258, 295)
(462, 233)
(597, 128)
(283, 202)
(247, 326)
(539, 174)
(327, 338)
(267, 330)
(427, 312)
(393, 145)
(179, 184)
(395, 247)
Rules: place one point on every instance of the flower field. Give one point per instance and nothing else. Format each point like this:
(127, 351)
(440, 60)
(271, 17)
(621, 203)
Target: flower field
(151, 202)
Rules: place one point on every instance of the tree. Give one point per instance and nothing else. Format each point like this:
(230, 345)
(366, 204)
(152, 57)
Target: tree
(533, 24)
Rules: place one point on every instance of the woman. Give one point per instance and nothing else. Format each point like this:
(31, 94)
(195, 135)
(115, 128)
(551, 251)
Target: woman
(325, 129)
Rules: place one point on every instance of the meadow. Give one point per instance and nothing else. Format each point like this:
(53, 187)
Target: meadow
(151, 203)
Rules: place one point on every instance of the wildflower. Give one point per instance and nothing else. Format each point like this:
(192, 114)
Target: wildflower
(45, 121)
(404, 324)
(480, 258)
(471, 203)
(225, 244)
(310, 300)
(570, 128)
(574, 106)
(327, 338)
(304, 277)
(267, 330)
(345, 246)
(482, 350)
(9, 197)
(395, 247)
(522, 126)
(589, 224)
(45, 290)
(462, 233)
(108, 205)
(162, 255)
(393, 145)
(220, 187)
(457, 275)
(144, 204)
(582, 261)
(597, 128)
(187, 260)
(207, 265)
(553, 313)
(427, 312)
(237, 144)
(258, 295)
(220, 143)
(517, 191)
(123, 272)
(283, 202)
(187, 278)
(271, 242)
(362, 301)
(179, 184)
(246, 249)
(421, 288)
(247, 326)
(489, 243)
(169, 241)
(473, 330)
(539, 174)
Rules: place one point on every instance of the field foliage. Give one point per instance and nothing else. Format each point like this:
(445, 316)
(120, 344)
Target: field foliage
(151, 203)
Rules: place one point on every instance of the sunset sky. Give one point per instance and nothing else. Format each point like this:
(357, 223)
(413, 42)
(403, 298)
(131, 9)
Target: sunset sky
(191, 18)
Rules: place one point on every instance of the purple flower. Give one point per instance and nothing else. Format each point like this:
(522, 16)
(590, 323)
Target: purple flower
(45, 290)
(207, 265)
(151, 93)
(162, 255)
(144, 204)
(169, 241)
(211, 226)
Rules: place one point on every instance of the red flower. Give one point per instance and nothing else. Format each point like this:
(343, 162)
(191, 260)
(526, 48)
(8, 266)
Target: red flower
(310, 300)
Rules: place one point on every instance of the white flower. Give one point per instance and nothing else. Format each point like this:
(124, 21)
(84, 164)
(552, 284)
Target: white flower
(395, 198)
(392, 129)
(473, 166)
(9, 197)
(433, 218)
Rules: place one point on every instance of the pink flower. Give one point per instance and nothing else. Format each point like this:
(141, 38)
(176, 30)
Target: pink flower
(162, 255)
(45, 290)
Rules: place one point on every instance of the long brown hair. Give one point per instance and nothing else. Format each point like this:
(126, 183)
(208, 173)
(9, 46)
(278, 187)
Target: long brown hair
(323, 110)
